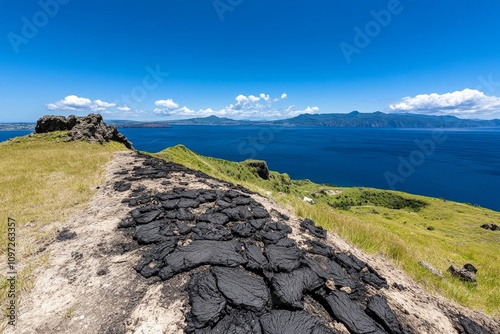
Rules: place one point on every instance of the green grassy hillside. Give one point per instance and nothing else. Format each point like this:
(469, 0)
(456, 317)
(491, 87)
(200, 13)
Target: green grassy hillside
(405, 228)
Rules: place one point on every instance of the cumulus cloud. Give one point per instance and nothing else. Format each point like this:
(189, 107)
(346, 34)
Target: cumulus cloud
(167, 104)
(468, 103)
(71, 102)
(252, 107)
(245, 107)
(83, 104)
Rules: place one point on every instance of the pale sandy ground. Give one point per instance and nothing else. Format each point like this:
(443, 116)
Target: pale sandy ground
(90, 285)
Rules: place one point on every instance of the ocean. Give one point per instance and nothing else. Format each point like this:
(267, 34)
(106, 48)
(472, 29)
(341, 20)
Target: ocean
(455, 164)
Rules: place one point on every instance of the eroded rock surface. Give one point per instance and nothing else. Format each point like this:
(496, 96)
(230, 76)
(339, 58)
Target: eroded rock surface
(88, 128)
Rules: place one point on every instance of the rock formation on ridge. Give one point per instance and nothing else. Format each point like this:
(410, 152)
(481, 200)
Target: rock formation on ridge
(87, 128)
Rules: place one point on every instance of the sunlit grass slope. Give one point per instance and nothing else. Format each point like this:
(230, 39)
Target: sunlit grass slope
(405, 228)
(44, 179)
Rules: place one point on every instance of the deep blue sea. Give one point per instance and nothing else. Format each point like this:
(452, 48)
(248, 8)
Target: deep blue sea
(456, 164)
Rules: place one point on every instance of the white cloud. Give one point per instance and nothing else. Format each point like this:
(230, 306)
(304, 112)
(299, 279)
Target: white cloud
(169, 108)
(252, 107)
(265, 97)
(310, 110)
(102, 104)
(245, 107)
(75, 103)
(167, 104)
(468, 103)
(70, 102)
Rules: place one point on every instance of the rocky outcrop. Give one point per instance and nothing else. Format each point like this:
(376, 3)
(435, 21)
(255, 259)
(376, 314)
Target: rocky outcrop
(89, 128)
(260, 168)
(466, 274)
(493, 227)
(51, 124)
(431, 268)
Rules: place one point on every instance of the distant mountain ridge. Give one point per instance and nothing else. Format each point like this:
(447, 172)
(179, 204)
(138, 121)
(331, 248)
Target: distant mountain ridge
(381, 120)
(353, 119)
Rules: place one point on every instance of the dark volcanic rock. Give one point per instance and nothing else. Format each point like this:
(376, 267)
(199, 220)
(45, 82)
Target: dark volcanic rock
(241, 288)
(147, 217)
(207, 303)
(223, 253)
(465, 325)
(66, 235)
(288, 322)
(256, 258)
(214, 218)
(463, 274)
(88, 128)
(149, 233)
(283, 258)
(208, 231)
(243, 230)
(470, 267)
(152, 261)
(317, 231)
(93, 128)
(122, 186)
(329, 270)
(350, 262)
(272, 232)
(380, 311)
(289, 288)
(374, 279)
(316, 247)
(238, 322)
(51, 123)
(238, 213)
(350, 314)
(492, 227)
(188, 203)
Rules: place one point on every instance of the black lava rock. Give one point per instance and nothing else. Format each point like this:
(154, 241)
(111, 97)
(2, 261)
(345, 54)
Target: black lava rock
(242, 288)
(379, 310)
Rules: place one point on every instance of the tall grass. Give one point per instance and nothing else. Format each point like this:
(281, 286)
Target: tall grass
(42, 180)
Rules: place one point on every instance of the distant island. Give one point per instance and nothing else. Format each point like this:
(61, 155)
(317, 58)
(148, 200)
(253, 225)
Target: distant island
(353, 119)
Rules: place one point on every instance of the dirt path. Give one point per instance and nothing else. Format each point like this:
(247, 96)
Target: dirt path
(91, 286)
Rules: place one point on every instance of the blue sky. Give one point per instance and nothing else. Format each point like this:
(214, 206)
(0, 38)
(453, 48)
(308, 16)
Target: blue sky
(154, 60)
